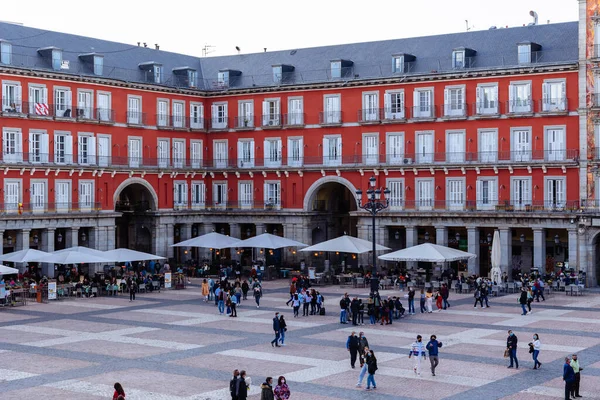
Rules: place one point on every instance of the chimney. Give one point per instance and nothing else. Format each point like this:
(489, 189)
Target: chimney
(535, 17)
(145, 44)
(265, 49)
(156, 46)
(138, 44)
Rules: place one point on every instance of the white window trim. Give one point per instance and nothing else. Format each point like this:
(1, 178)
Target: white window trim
(90, 154)
(179, 163)
(418, 200)
(90, 108)
(456, 157)
(493, 202)
(163, 162)
(296, 120)
(511, 105)
(464, 193)
(7, 208)
(276, 205)
(99, 114)
(546, 107)
(134, 119)
(401, 158)
(456, 113)
(491, 158)
(267, 160)
(547, 203)
(268, 119)
(402, 200)
(100, 158)
(240, 159)
(531, 192)
(366, 160)
(213, 193)
(430, 156)
(92, 195)
(67, 161)
(431, 105)
(196, 162)
(513, 155)
(560, 157)
(44, 207)
(388, 115)
(370, 114)
(177, 204)
(479, 110)
(60, 206)
(163, 120)
(200, 203)
(326, 160)
(335, 118)
(240, 202)
(201, 124)
(290, 160)
(214, 120)
(178, 121)
(130, 161)
(220, 163)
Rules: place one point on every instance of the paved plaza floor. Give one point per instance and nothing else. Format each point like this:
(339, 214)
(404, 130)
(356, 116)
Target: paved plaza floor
(174, 346)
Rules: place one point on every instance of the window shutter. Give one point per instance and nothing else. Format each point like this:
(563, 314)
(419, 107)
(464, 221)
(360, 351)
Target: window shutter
(415, 107)
(92, 150)
(279, 148)
(32, 156)
(44, 96)
(478, 100)
(339, 150)
(214, 113)
(495, 95)
(5, 99)
(69, 100)
(240, 153)
(289, 150)
(563, 95)
(511, 97)
(185, 194)
(528, 96)
(252, 158)
(446, 101)
(493, 192)
(265, 113)
(387, 100)
(44, 149)
(18, 97)
(68, 149)
(325, 150)
(478, 193)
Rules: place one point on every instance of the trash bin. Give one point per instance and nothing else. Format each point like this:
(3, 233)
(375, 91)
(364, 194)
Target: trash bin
(39, 294)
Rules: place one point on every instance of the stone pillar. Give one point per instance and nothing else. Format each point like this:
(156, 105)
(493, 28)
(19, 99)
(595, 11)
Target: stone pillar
(93, 238)
(539, 248)
(22, 244)
(110, 237)
(169, 239)
(47, 244)
(441, 235)
(72, 237)
(185, 233)
(364, 232)
(411, 240)
(573, 245)
(235, 231)
(473, 247)
(1, 242)
(260, 229)
(506, 251)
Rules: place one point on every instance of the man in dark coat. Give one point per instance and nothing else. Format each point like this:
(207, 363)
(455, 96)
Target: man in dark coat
(276, 328)
(352, 344)
(242, 389)
(233, 385)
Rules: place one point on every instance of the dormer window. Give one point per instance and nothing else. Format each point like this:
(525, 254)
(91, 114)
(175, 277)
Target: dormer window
(5, 52)
(401, 62)
(528, 52)
(56, 59)
(93, 62)
(186, 76)
(340, 68)
(462, 58)
(153, 71)
(281, 72)
(223, 78)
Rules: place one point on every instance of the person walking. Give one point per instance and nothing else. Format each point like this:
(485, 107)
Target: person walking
(266, 390)
(362, 342)
(257, 295)
(411, 301)
(523, 301)
(445, 294)
(536, 345)
(477, 296)
(485, 291)
(577, 371)
(539, 284)
(296, 305)
(276, 328)
(119, 392)
(205, 290)
(233, 384)
(306, 299)
(245, 288)
(422, 301)
(417, 349)
(242, 387)
(282, 390)
(352, 346)
(233, 305)
(511, 345)
(282, 329)
(429, 300)
(371, 368)
(221, 296)
(132, 286)
(354, 306)
(363, 356)
(438, 301)
(529, 299)
(343, 311)
(433, 347)
(569, 378)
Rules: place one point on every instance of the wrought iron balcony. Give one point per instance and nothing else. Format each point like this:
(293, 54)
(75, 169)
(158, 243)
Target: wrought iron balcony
(38, 110)
(394, 114)
(219, 123)
(369, 116)
(271, 121)
(330, 118)
(486, 109)
(8, 209)
(245, 122)
(455, 110)
(294, 119)
(553, 106)
(423, 113)
(520, 107)
(136, 118)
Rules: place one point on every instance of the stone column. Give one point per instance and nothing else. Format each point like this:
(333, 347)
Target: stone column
(260, 229)
(110, 237)
(441, 235)
(72, 237)
(411, 240)
(169, 230)
(539, 248)
(506, 251)
(93, 238)
(185, 233)
(364, 232)
(1, 242)
(22, 244)
(573, 245)
(235, 231)
(47, 244)
(473, 247)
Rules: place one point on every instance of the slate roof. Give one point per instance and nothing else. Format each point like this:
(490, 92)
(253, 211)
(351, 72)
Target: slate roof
(496, 48)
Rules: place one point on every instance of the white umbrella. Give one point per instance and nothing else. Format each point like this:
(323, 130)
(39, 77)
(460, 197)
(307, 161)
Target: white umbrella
(346, 244)
(496, 256)
(82, 250)
(268, 241)
(427, 252)
(25, 256)
(211, 240)
(130, 255)
(4, 270)
(75, 257)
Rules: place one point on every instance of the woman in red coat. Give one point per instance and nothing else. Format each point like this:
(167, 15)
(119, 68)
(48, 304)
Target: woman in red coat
(119, 392)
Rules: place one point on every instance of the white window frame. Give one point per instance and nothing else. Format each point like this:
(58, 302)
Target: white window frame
(332, 157)
(41, 153)
(196, 115)
(456, 155)
(38, 200)
(487, 106)
(272, 195)
(392, 110)
(524, 57)
(133, 160)
(332, 115)
(398, 64)
(425, 203)
(63, 156)
(180, 194)
(516, 104)
(63, 109)
(85, 110)
(245, 114)
(219, 116)
(370, 106)
(295, 160)
(271, 112)
(458, 201)
(491, 200)
(551, 153)
(89, 158)
(163, 152)
(518, 152)
(246, 199)
(134, 115)
(198, 193)
(179, 150)
(423, 110)
(104, 113)
(246, 153)
(38, 106)
(273, 147)
(527, 200)
(396, 156)
(397, 193)
(295, 116)
(487, 154)
(456, 108)
(85, 204)
(11, 205)
(60, 204)
(370, 148)
(12, 145)
(196, 153)
(104, 160)
(424, 156)
(555, 204)
(220, 160)
(459, 59)
(550, 102)
(162, 112)
(223, 188)
(178, 114)
(12, 97)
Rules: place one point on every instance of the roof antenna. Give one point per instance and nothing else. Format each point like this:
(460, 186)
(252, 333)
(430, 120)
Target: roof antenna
(156, 46)
(265, 49)
(467, 22)
(206, 50)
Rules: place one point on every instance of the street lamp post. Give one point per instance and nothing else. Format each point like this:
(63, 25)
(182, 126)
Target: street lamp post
(373, 205)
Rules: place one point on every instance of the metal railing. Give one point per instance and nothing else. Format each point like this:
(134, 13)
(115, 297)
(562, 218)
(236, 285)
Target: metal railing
(219, 123)
(197, 124)
(516, 107)
(488, 205)
(49, 208)
(211, 205)
(490, 108)
(370, 115)
(294, 119)
(330, 117)
(559, 105)
(271, 120)
(244, 122)
(127, 206)
(136, 118)
(423, 112)
(455, 110)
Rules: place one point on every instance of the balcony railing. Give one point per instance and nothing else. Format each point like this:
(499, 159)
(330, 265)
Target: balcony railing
(423, 112)
(244, 122)
(127, 206)
(330, 118)
(455, 110)
(559, 105)
(13, 108)
(392, 114)
(8, 209)
(370, 115)
(487, 205)
(136, 118)
(516, 107)
(219, 123)
(210, 205)
(294, 119)
(163, 120)
(197, 124)
(486, 109)
(179, 122)
(595, 98)
(271, 120)
(38, 110)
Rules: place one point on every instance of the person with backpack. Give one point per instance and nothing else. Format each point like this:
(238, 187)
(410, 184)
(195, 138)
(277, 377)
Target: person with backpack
(352, 345)
(484, 295)
(371, 368)
(282, 329)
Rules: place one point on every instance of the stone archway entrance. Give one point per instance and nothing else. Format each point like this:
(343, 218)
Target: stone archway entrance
(136, 201)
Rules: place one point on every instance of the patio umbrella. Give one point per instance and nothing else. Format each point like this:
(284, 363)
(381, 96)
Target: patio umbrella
(75, 257)
(211, 240)
(4, 270)
(25, 256)
(82, 250)
(346, 244)
(268, 241)
(130, 255)
(496, 255)
(427, 252)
